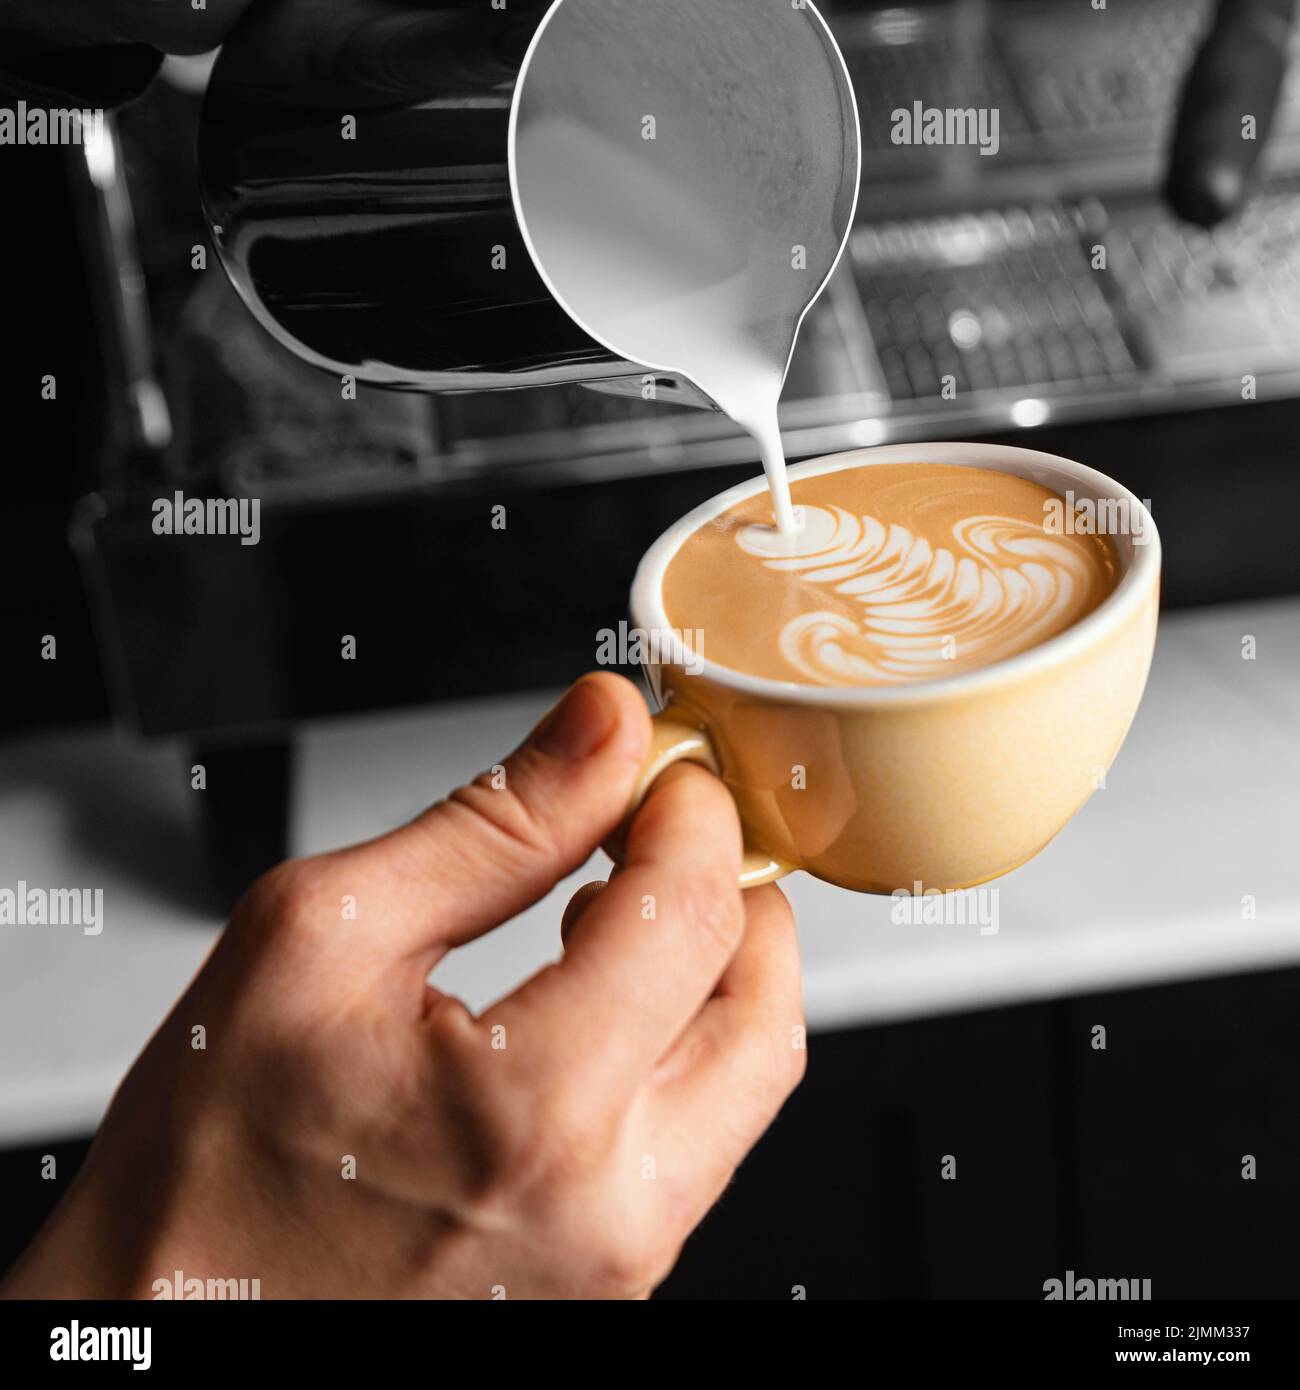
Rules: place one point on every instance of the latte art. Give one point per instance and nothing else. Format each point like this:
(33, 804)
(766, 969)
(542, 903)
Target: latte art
(1001, 585)
(898, 572)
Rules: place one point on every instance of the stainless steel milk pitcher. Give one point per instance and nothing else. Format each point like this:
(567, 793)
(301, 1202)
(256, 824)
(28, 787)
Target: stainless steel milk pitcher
(359, 166)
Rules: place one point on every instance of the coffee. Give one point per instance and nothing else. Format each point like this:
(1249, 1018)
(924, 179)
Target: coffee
(896, 573)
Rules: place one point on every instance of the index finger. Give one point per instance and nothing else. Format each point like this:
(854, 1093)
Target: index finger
(652, 945)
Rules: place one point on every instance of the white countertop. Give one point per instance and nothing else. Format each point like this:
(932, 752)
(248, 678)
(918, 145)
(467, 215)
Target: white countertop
(1201, 811)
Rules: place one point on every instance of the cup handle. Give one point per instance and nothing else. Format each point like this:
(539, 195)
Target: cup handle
(673, 740)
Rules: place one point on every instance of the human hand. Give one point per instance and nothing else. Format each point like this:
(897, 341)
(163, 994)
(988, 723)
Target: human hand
(1239, 73)
(347, 1131)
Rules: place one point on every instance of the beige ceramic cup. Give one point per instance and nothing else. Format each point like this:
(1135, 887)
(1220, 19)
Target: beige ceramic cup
(943, 783)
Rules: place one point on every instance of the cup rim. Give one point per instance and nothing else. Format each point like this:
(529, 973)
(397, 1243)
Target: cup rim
(1141, 571)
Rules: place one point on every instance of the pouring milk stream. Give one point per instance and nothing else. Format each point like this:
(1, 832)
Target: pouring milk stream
(686, 187)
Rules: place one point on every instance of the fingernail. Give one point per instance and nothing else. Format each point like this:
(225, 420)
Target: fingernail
(578, 725)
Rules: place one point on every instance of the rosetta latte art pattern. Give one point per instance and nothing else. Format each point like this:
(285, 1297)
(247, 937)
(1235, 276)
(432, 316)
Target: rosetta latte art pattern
(927, 610)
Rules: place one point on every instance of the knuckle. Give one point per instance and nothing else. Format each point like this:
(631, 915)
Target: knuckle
(515, 1136)
(713, 906)
(506, 817)
(569, 1136)
(626, 1247)
(661, 1246)
(453, 1034)
(285, 900)
(623, 1268)
(274, 889)
(490, 1157)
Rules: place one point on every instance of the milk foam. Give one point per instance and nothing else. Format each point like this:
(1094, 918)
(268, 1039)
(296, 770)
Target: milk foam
(1001, 585)
(896, 573)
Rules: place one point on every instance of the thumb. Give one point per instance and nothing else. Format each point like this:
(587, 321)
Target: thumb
(496, 846)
